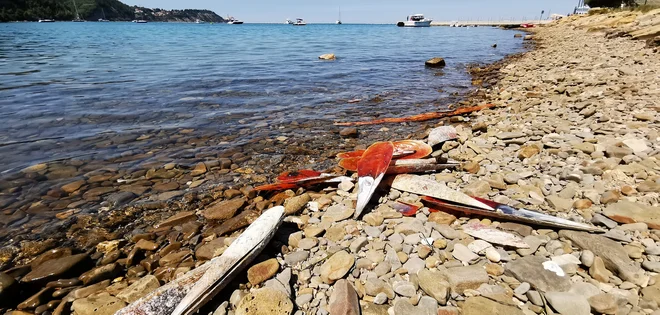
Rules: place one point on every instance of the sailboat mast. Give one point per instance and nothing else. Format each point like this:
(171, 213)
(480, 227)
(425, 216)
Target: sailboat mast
(75, 6)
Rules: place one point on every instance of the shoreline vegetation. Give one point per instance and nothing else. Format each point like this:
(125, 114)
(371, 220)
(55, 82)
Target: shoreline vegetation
(574, 133)
(93, 10)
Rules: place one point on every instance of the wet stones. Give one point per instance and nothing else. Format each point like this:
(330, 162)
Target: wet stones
(101, 273)
(121, 198)
(263, 271)
(265, 301)
(139, 289)
(102, 304)
(73, 186)
(7, 286)
(223, 210)
(54, 268)
(177, 219)
(350, 132)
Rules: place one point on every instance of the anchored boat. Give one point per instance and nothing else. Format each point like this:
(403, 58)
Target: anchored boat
(416, 20)
(232, 20)
(300, 22)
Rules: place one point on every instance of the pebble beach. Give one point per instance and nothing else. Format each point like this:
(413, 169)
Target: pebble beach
(574, 133)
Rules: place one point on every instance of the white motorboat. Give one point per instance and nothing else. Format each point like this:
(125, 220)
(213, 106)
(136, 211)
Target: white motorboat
(46, 21)
(289, 22)
(198, 21)
(299, 22)
(139, 21)
(232, 20)
(416, 20)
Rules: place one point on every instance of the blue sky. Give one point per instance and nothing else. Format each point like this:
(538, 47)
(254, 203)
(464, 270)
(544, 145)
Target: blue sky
(368, 11)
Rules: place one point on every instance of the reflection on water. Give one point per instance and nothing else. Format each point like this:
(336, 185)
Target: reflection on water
(94, 89)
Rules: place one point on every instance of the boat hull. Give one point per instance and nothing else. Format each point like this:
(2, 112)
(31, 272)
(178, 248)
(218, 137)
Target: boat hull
(415, 23)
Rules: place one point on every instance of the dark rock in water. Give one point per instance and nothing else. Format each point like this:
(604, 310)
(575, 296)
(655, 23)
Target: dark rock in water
(518, 36)
(242, 220)
(101, 273)
(51, 254)
(120, 198)
(223, 210)
(350, 132)
(211, 249)
(7, 285)
(494, 46)
(530, 269)
(435, 63)
(35, 300)
(102, 304)
(179, 218)
(53, 268)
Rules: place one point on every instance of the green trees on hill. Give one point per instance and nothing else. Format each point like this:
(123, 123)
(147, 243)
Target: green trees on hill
(32, 10)
(91, 10)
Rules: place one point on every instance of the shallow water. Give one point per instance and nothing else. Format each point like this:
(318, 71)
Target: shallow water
(74, 83)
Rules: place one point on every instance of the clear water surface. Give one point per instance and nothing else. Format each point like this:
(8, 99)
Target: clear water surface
(70, 81)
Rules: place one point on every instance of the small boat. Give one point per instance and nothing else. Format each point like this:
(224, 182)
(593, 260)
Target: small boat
(289, 22)
(232, 20)
(339, 19)
(103, 19)
(416, 20)
(198, 21)
(139, 21)
(299, 22)
(46, 21)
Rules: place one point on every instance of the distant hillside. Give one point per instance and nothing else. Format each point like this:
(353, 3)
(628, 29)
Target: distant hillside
(92, 10)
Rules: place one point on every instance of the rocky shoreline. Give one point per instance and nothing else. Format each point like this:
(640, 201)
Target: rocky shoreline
(575, 134)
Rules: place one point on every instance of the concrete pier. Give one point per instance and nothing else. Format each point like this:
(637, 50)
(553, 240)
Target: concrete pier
(490, 23)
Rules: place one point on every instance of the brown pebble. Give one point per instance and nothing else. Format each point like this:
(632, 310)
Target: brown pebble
(231, 193)
(582, 204)
(471, 167)
(64, 283)
(263, 271)
(350, 132)
(146, 245)
(169, 248)
(628, 191)
(64, 291)
(35, 300)
(51, 254)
